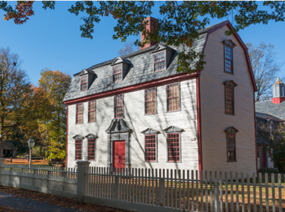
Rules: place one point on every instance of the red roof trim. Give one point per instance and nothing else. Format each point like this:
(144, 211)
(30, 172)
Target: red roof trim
(131, 88)
(241, 43)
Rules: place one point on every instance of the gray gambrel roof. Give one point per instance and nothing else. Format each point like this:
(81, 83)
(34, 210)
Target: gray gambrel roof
(141, 69)
(267, 107)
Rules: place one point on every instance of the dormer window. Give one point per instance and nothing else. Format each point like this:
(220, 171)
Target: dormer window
(117, 73)
(159, 61)
(84, 82)
(228, 52)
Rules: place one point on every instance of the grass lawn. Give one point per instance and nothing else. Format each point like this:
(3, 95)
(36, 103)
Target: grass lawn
(20, 161)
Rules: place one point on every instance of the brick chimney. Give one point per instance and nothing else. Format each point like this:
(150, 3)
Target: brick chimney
(278, 92)
(150, 27)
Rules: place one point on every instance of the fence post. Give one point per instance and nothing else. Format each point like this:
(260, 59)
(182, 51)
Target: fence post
(161, 191)
(82, 169)
(116, 186)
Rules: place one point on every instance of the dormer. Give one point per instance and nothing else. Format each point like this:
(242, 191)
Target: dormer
(120, 68)
(161, 57)
(86, 78)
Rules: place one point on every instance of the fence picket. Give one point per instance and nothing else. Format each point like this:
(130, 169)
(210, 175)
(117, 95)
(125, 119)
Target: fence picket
(175, 187)
(184, 183)
(232, 195)
(242, 192)
(167, 181)
(211, 192)
(202, 193)
(197, 189)
(139, 185)
(279, 192)
(152, 182)
(266, 191)
(237, 193)
(179, 183)
(206, 190)
(248, 193)
(273, 191)
(145, 186)
(171, 186)
(260, 192)
(221, 192)
(226, 192)
(254, 191)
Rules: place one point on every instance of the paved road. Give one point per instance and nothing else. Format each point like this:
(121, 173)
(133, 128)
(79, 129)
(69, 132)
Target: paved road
(21, 203)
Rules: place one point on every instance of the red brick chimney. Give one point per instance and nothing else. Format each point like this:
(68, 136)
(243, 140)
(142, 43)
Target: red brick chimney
(278, 92)
(150, 27)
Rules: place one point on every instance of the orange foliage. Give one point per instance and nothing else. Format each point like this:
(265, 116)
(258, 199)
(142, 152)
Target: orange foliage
(22, 12)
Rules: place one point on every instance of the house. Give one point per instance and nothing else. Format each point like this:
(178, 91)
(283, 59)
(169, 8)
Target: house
(271, 113)
(8, 149)
(137, 111)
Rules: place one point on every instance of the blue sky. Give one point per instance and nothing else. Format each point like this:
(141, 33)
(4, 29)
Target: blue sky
(52, 39)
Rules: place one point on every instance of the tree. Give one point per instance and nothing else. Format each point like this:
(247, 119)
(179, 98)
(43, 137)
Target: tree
(54, 84)
(275, 138)
(128, 48)
(178, 24)
(264, 67)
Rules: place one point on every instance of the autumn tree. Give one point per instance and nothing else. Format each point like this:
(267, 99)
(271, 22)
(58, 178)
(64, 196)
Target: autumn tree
(54, 84)
(128, 48)
(178, 22)
(265, 68)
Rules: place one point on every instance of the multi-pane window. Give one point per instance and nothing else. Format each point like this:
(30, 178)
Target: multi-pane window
(159, 61)
(117, 73)
(91, 149)
(173, 97)
(150, 148)
(78, 149)
(173, 146)
(229, 97)
(91, 111)
(119, 103)
(231, 144)
(83, 82)
(79, 113)
(228, 59)
(150, 101)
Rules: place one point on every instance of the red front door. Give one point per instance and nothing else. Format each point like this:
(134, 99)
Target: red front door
(119, 154)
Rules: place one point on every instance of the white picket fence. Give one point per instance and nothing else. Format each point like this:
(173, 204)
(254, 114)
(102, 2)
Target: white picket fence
(154, 189)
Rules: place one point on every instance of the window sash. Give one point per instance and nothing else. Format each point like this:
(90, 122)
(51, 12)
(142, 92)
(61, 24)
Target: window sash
(117, 73)
(91, 111)
(173, 97)
(231, 147)
(229, 99)
(150, 101)
(83, 82)
(173, 147)
(150, 147)
(228, 59)
(118, 106)
(79, 113)
(91, 149)
(78, 149)
(159, 61)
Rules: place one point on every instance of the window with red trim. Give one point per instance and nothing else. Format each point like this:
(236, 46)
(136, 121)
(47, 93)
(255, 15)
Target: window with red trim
(173, 101)
(229, 97)
(173, 147)
(91, 111)
(228, 59)
(117, 73)
(78, 149)
(231, 145)
(83, 82)
(159, 61)
(150, 101)
(119, 103)
(91, 149)
(150, 148)
(79, 113)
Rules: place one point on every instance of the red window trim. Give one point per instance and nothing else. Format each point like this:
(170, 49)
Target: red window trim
(164, 52)
(179, 151)
(77, 113)
(83, 82)
(235, 156)
(89, 148)
(90, 111)
(78, 149)
(227, 59)
(145, 100)
(118, 73)
(167, 102)
(150, 148)
(116, 106)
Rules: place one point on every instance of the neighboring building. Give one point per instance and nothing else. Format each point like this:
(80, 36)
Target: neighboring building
(8, 149)
(138, 112)
(271, 113)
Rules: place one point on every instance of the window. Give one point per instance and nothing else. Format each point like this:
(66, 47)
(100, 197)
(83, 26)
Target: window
(173, 147)
(228, 59)
(150, 101)
(150, 148)
(229, 97)
(117, 73)
(173, 97)
(83, 83)
(78, 149)
(79, 113)
(91, 111)
(91, 149)
(231, 144)
(119, 106)
(159, 61)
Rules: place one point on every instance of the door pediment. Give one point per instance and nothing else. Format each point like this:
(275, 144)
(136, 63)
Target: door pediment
(118, 126)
